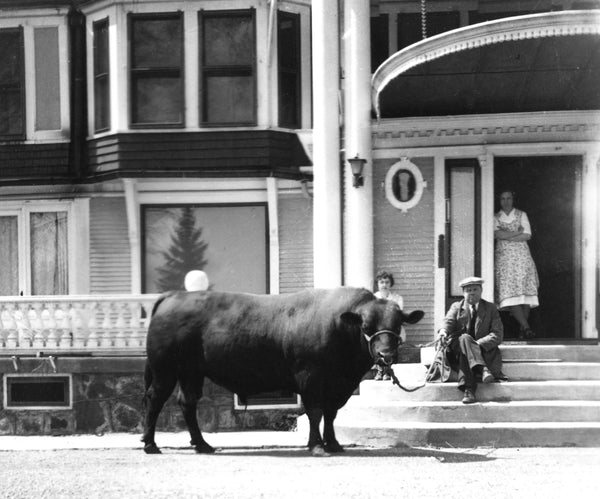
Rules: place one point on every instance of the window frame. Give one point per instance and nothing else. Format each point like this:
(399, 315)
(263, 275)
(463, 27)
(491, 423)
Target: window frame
(296, 19)
(66, 378)
(97, 76)
(23, 211)
(155, 72)
(225, 70)
(18, 30)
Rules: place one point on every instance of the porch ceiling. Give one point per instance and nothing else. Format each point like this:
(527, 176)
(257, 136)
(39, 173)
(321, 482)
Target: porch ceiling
(540, 62)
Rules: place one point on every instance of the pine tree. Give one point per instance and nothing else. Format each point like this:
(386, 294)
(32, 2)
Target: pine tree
(185, 253)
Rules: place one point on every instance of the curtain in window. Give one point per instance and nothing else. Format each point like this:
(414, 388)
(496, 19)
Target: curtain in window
(9, 256)
(49, 253)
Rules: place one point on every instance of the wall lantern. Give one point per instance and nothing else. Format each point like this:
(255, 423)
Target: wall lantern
(357, 164)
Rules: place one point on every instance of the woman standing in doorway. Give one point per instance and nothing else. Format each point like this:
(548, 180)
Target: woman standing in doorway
(516, 277)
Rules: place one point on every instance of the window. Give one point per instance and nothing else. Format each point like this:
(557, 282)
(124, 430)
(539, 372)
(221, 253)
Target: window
(12, 92)
(379, 40)
(101, 77)
(228, 242)
(228, 48)
(410, 29)
(156, 62)
(37, 392)
(34, 251)
(288, 50)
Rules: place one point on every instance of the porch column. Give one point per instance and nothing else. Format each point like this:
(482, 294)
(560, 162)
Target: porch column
(358, 220)
(591, 164)
(326, 146)
(133, 223)
(486, 163)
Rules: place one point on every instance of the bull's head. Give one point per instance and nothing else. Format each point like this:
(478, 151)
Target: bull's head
(380, 324)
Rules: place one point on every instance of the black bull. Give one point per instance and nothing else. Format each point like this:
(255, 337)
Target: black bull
(318, 343)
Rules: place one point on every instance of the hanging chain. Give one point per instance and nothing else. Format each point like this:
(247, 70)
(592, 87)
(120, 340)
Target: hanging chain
(423, 19)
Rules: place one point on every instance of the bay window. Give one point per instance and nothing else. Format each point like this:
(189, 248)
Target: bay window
(12, 85)
(228, 53)
(101, 77)
(156, 70)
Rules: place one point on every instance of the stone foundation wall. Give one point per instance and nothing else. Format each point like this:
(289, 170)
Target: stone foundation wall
(112, 402)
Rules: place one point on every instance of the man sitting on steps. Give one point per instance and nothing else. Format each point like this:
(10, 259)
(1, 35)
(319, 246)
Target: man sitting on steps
(473, 330)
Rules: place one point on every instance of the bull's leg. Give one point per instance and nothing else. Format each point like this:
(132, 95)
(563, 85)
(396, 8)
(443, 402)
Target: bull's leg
(190, 392)
(315, 442)
(330, 442)
(157, 394)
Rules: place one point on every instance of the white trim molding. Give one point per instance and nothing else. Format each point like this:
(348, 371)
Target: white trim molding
(545, 25)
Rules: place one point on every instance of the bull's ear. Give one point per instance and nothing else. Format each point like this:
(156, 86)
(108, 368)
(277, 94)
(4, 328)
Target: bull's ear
(414, 317)
(351, 319)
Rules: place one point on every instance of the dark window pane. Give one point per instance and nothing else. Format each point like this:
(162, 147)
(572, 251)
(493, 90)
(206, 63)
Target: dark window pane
(157, 70)
(157, 100)
(231, 99)
(379, 40)
(101, 79)
(288, 50)
(11, 82)
(288, 99)
(228, 40)
(228, 74)
(101, 104)
(410, 29)
(156, 43)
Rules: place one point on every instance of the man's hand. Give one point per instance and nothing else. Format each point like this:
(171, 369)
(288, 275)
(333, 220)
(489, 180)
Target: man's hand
(442, 337)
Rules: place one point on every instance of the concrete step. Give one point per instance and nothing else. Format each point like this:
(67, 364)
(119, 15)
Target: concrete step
(379, 391)
(566, 353)
(519, 371)
(411, 434)
(529, 352)
(361, 410)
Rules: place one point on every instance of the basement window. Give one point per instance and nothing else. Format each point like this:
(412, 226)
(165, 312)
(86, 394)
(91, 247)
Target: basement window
(280, 399)
(37, 392)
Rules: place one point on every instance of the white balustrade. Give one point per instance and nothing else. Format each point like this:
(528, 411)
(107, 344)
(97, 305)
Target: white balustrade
(75, 323)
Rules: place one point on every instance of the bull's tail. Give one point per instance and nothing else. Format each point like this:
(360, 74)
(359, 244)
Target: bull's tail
(147, 383)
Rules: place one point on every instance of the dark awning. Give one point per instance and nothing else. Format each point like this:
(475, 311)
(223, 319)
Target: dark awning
(540, 62)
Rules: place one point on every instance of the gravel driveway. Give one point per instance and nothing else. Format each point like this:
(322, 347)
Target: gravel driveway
(291, 472)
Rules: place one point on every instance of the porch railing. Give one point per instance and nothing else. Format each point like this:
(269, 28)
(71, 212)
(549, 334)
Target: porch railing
(95, 324)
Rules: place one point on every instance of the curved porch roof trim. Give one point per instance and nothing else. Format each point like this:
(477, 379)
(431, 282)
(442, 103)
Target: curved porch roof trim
(576, 22)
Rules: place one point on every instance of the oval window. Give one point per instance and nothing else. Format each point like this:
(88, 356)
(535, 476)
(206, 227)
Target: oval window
(404, 185)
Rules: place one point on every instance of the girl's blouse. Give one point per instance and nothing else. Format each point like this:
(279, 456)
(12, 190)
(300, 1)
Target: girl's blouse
(503, 217)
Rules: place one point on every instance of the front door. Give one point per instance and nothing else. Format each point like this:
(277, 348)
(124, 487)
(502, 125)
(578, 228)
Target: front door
(548, 189)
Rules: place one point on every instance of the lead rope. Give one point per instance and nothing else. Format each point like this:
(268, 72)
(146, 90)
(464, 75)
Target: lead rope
(395, 381)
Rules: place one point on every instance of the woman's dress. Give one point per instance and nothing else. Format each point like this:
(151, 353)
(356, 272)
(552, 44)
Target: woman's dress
(516, 277)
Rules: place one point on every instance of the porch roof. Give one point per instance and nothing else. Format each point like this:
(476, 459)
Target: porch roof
(539, 62)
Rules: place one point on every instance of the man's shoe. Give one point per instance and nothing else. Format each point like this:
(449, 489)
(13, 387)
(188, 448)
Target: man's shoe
(469, 397)
(386, 377)
(487, 376)
(378, 376)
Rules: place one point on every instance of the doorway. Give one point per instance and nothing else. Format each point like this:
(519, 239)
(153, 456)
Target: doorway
(548, 189)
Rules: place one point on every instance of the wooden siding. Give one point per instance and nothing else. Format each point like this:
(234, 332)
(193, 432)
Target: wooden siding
(198, 154)
(404, 246)
(295, 244)
(110, 256)
(33, 162)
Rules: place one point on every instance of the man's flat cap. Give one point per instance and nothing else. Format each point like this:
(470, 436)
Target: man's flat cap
(471, 281)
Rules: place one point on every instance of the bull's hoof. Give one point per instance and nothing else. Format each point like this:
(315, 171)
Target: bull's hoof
(319, 451)
(152, 449)
(334, 448)
(204, 448)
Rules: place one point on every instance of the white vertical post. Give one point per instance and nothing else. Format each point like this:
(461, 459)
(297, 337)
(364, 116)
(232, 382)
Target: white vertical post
(439, 220)
(326, 146)
(273, 203)
(590, 244)
(486, 162)
(358, 223)
(133, 223)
